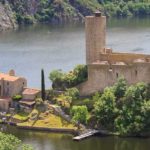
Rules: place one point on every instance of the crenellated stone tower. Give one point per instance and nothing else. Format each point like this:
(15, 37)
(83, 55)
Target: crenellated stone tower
(95, 28)
(106, 66)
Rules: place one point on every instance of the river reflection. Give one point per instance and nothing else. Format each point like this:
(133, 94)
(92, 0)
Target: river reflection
(52, 141)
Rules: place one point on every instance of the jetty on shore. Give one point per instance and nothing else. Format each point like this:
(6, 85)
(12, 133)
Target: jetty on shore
(90, 133)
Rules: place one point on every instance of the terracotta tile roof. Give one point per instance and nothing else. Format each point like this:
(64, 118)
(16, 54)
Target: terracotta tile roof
(30, 103)
(7, 77)
(30, 91)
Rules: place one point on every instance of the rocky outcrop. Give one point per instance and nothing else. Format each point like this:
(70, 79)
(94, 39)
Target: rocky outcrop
(7, 19)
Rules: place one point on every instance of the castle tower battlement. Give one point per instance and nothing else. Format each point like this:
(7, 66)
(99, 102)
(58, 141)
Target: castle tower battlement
(95, 27)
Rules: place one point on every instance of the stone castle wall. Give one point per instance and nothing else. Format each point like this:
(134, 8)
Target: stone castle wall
(106, 66)
(123, 57)
(101, 76)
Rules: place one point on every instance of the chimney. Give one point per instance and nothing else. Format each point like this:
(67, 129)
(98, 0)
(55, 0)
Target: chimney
(11, 72)
(95, 28)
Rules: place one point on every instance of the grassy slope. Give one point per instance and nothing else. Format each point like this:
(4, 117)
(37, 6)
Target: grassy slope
(48, 121)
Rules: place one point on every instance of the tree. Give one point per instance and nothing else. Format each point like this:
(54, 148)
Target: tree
(73, 93)
(105, 108)
(120, 87)
(10, 142)
(56, 75)
(133, 116)
(57, 78)
(42, 85)
(79, 114)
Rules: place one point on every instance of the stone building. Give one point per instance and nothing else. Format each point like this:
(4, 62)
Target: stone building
(104, 65)
(11, 85)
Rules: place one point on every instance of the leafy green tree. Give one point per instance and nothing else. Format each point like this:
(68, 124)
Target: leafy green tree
(79, 114)
(10, 142)
(96, 96)
(57, 78)
(73, 93)
(147, 91)
(56, 75)
(63, 81)
(120, 87)
(105, 108)
(131, 119)
(81, 73)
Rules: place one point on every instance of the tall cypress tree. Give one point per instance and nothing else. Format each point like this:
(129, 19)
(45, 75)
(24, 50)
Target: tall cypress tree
(42, 85)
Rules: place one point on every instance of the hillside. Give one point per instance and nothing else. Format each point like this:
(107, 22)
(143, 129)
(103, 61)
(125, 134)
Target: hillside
(7, 19)
(61, 11)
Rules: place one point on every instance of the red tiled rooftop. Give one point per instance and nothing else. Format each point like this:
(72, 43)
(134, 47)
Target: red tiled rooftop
(7, 77)
(30, 91)
(30, 103)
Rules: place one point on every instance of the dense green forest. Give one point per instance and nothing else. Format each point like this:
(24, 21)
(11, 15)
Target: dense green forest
(57, 11)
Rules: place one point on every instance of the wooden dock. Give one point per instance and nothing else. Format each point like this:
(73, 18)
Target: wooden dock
(90, 133)
(86, 135)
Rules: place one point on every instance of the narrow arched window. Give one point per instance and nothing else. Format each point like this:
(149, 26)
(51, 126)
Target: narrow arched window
(136, 72)
(117, 75)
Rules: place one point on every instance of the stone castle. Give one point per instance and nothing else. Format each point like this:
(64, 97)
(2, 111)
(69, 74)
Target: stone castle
(104, 65)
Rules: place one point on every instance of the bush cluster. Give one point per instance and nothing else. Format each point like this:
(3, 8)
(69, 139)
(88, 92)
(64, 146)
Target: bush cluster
(124, 109)
(62, 80)
(17, 97)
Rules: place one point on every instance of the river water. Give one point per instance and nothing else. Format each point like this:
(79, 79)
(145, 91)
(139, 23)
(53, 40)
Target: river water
(53, 141)
(31, 48)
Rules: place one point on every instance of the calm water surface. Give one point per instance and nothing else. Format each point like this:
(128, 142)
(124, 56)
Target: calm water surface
(29, 49)
(52, 141)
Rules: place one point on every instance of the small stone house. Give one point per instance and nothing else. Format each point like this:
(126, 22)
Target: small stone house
(11, 85)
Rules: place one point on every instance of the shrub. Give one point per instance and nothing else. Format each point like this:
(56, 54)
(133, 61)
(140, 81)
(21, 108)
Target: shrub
(17, 97)
(63, 81)
(79, 114)
(10, 142)
(73, 93)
